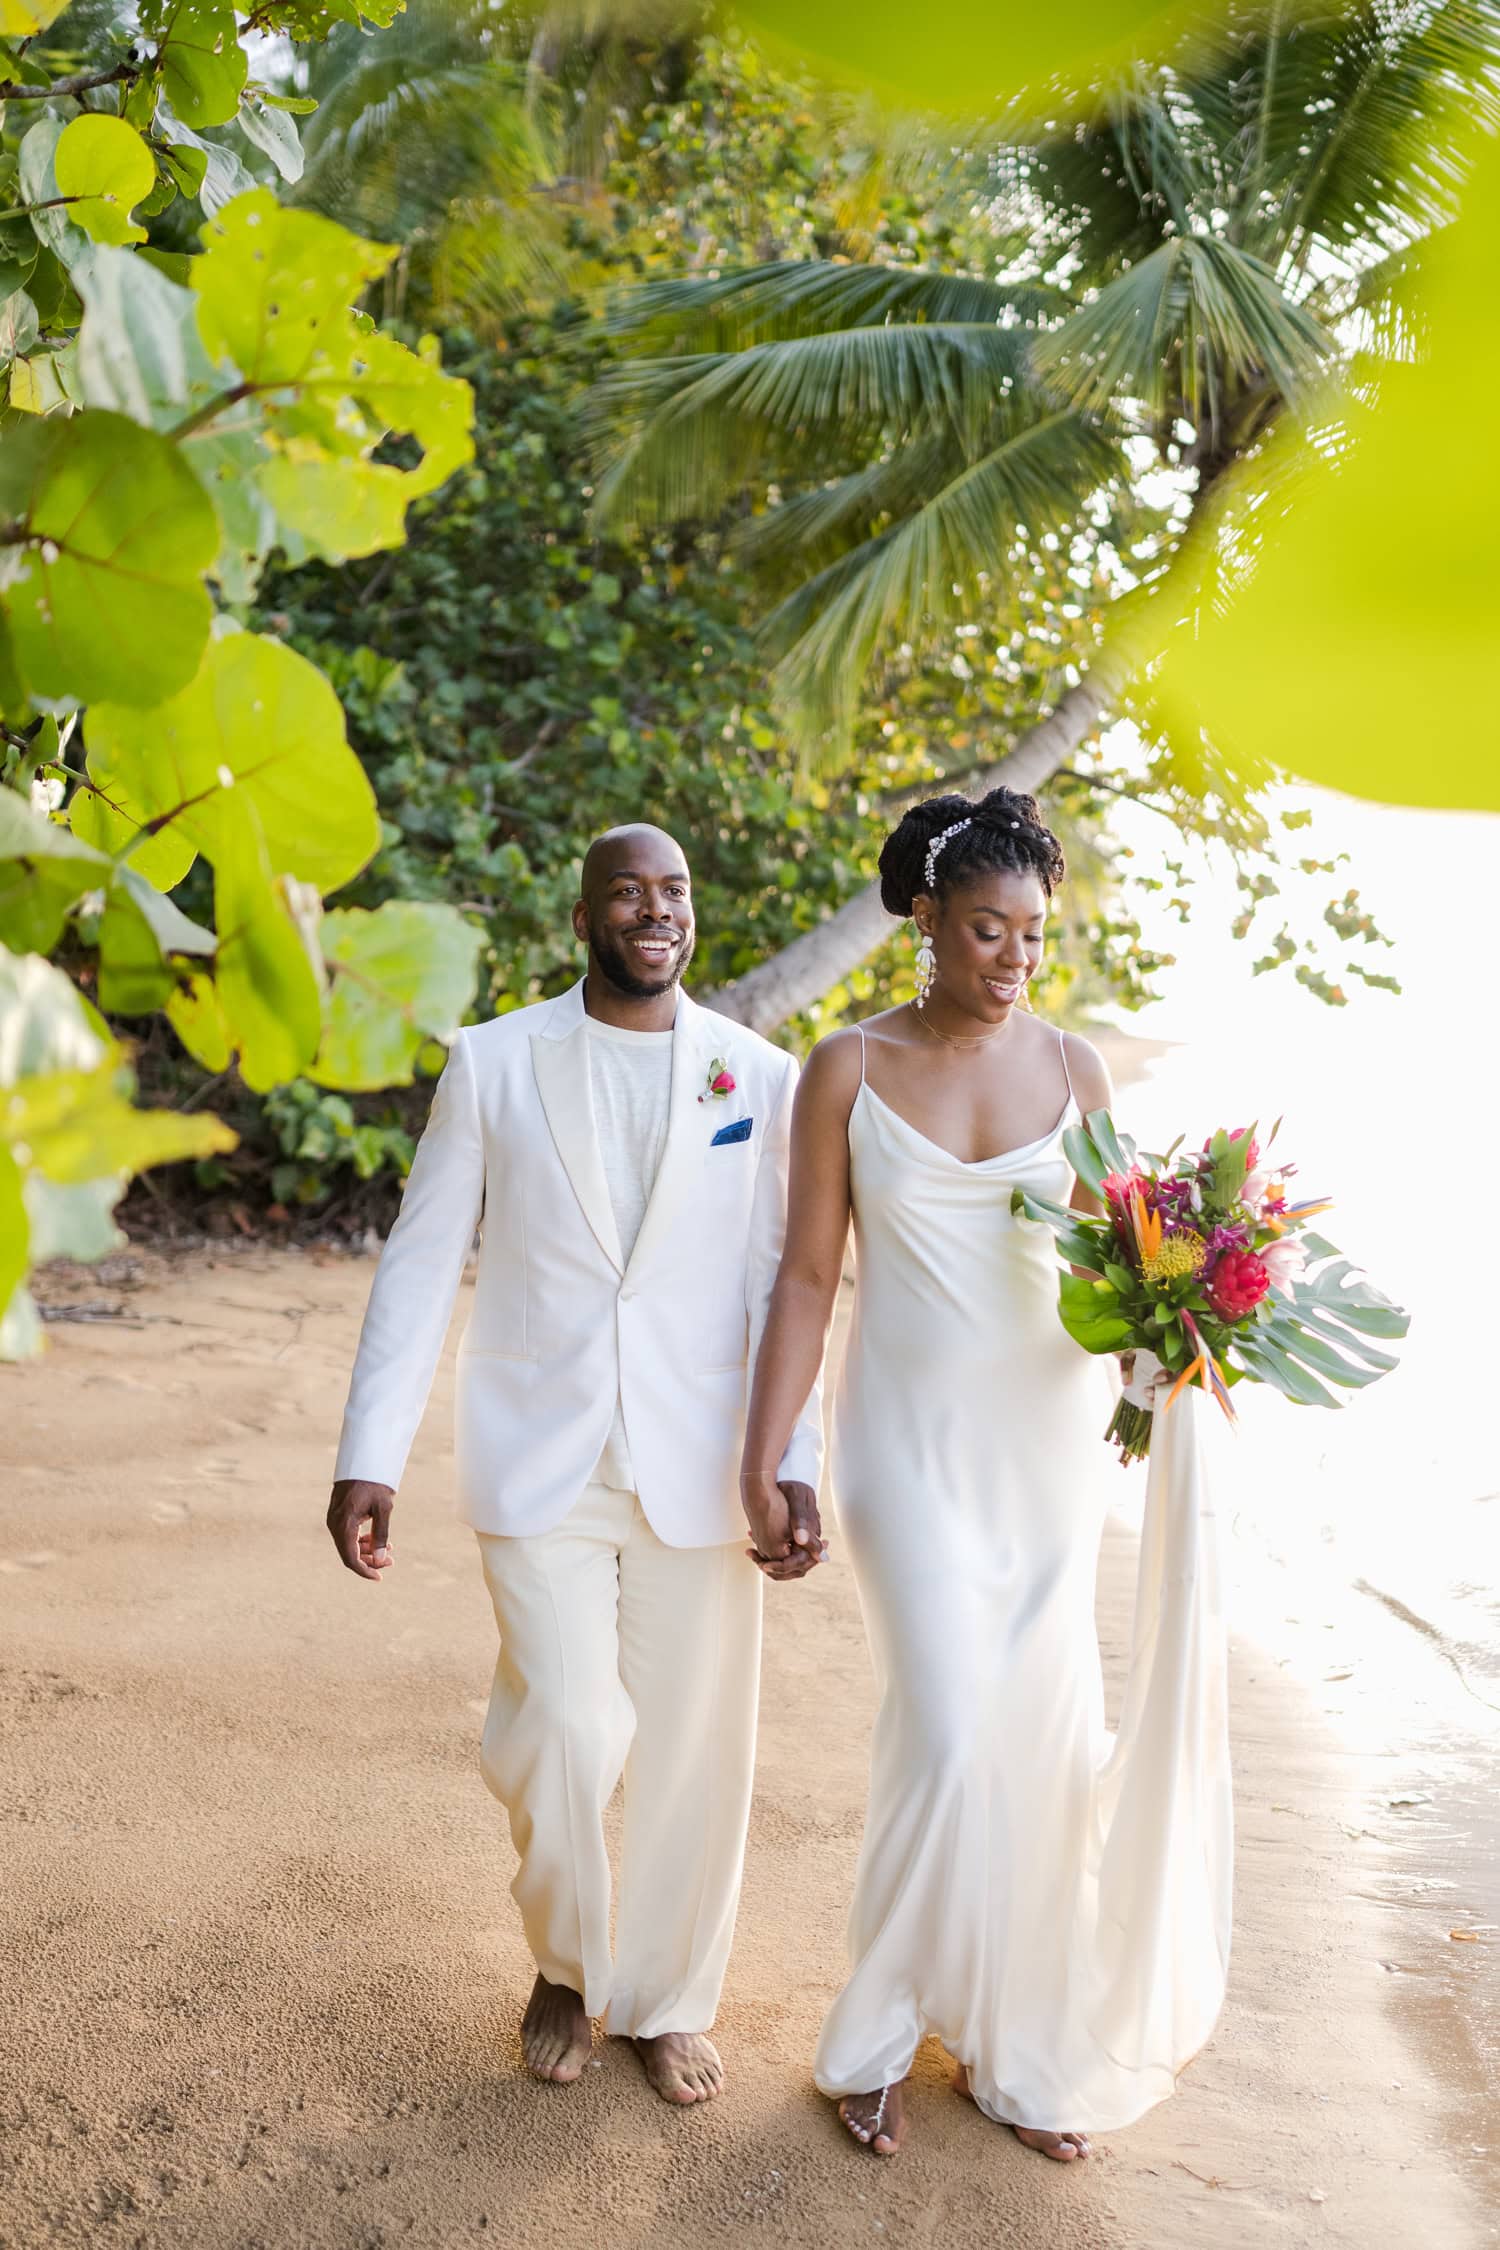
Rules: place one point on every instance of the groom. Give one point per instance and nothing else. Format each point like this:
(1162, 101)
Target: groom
(624, 1154)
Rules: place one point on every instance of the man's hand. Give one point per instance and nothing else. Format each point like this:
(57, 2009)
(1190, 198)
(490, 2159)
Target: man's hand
(356, 1502)
(786, 1535)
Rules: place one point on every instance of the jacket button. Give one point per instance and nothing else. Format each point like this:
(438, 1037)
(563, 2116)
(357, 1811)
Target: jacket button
(627, 1296)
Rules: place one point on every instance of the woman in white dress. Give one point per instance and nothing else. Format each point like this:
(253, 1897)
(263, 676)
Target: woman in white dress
(1051, 1900)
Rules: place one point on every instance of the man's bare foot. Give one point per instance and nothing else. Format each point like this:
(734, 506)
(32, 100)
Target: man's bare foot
(1063, 2148)
(683, 2066)
(876, 2120)
(557, 2038)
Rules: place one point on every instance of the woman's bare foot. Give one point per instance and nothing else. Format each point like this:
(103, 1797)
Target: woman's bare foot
(557, 2038)
(876, 2120)
(683, 2066)
(1063, 2148)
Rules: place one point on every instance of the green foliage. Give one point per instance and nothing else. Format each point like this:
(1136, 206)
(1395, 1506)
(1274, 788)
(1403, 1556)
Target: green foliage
(68, 1135)
(513, 685)
(172, 414)
(1179, 265)
(319, 1137)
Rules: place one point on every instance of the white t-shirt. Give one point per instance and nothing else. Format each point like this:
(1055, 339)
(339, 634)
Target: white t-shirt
(630, 1077)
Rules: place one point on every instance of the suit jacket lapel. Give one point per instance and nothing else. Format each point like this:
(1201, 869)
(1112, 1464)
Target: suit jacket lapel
(560, 1061)
(687, 1136)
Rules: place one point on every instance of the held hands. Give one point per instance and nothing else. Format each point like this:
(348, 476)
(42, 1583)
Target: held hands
(786, 1537)
(1145, 1379)
(356, 1502)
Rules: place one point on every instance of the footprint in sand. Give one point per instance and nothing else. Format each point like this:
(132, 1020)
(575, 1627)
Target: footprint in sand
(37, 1561)
(170, 1511)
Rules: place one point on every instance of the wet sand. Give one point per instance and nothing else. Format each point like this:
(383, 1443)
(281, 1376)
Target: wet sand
(259, 1974)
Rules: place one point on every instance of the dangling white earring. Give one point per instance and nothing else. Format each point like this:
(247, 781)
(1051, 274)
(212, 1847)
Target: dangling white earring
(925, 967)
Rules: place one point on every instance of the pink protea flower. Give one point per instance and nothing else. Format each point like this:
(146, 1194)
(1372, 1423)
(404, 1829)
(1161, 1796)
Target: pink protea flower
(1237, 1284)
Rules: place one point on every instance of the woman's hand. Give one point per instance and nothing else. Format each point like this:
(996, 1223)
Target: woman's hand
(786, 1537)
(1145, 1379)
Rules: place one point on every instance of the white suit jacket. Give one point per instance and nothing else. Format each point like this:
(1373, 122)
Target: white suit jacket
(560, 1325)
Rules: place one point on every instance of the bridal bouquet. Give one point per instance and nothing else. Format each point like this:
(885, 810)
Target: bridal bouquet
(1205, 1267)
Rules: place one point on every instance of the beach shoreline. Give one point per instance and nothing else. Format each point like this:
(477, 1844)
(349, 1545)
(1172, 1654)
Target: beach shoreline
(261, 1967)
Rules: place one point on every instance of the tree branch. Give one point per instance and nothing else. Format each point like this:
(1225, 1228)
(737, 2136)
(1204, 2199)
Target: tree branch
(11, 92)
(813, 963)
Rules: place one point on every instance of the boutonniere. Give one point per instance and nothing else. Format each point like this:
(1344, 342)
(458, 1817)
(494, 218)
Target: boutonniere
(720, 1082)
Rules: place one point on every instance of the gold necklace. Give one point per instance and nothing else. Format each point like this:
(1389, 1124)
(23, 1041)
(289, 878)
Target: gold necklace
(947, 1037)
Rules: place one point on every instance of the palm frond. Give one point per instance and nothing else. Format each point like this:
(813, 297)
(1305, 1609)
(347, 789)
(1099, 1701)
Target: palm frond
(805, 534)
(1380, 104)
(927, 571)
(706, 424)
(791, 298)
(1182, 331)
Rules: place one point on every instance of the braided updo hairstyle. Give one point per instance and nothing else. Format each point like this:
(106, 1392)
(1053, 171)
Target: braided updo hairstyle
(1006, 833)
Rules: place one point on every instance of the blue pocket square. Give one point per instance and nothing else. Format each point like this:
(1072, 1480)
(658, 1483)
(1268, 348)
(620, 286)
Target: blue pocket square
(738, 1131)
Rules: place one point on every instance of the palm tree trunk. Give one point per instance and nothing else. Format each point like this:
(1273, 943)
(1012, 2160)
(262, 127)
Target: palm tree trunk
(812, 964)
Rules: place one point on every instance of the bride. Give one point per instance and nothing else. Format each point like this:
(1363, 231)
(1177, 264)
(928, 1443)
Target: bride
(1049, 1899)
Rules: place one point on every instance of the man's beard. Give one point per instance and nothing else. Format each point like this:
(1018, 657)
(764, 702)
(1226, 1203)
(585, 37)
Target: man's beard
(615, 964)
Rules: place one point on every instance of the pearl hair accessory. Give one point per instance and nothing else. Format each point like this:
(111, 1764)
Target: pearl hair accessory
(936, 846)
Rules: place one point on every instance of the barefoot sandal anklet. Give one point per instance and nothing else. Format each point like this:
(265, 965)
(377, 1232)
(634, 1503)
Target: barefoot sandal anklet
(872, 2131)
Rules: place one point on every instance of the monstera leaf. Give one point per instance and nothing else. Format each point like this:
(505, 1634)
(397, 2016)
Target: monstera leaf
(399, 977)
(103, 587)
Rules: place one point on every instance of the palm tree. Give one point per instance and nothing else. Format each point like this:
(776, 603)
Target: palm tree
(469, 134)
(1221, 238)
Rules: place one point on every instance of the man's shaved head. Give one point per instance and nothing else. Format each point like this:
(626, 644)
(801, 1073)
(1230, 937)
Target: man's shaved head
(638, 848)
(636, 910)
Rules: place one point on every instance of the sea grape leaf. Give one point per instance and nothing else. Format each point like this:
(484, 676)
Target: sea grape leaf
(15, 1228)
(36, 178)
(203, 66)
(103, 589)
(105, 168)
(23, 19)
(399, 976)
(269, 127)
(140, 353)
(265, 982)
(44, 871)
(19, 326)
(196, 1015)
(256, 738)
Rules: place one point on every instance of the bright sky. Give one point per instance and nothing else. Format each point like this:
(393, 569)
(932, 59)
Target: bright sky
(1389, 1106)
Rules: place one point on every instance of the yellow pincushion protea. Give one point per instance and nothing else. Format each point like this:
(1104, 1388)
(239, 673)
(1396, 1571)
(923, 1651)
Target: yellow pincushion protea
(1178, 1256)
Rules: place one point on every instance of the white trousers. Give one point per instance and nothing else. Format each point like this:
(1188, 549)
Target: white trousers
(619, 1654)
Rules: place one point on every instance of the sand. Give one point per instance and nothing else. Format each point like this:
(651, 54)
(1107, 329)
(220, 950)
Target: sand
(261, 1974)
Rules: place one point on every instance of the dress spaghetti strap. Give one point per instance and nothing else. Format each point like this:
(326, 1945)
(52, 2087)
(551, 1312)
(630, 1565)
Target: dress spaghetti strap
(1062, 1048)
(859, 1027)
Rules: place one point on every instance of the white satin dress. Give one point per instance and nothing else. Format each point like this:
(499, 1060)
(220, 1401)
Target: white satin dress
(1052, 1900)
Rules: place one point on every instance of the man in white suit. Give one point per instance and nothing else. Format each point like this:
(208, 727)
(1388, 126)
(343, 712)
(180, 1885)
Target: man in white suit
(623, 1153)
